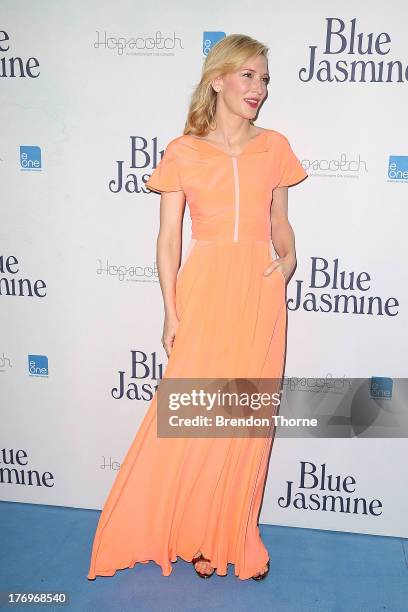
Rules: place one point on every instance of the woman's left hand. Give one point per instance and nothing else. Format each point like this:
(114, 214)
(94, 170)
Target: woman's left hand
(286, 265)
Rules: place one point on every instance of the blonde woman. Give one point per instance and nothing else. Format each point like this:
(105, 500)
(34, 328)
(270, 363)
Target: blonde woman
(225, 316)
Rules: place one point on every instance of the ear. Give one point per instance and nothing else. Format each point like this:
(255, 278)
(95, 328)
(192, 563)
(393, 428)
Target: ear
(217, 84)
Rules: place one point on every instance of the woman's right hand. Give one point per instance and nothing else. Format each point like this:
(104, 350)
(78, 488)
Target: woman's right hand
(170, 326)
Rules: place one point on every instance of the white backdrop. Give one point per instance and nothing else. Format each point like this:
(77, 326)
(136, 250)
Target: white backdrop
(79, 291)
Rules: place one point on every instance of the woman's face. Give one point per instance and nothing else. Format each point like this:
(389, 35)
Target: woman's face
(242, 92)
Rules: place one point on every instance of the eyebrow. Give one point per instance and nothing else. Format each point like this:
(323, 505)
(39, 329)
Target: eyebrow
(252, 70)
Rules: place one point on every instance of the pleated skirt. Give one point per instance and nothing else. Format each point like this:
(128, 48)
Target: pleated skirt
(175, 496)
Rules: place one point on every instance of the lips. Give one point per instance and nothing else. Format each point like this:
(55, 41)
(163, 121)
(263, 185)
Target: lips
(252, 102)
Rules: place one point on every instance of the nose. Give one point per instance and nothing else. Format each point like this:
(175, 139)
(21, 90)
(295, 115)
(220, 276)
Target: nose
(261, 86)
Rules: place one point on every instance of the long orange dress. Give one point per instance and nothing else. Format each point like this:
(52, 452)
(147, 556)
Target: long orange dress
(175, 496)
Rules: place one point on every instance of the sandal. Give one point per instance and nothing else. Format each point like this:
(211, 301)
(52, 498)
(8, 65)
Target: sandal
(262, 576)
(196, 560)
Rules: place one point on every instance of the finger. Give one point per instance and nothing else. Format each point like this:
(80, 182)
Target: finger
(169, 345)
(269, 270)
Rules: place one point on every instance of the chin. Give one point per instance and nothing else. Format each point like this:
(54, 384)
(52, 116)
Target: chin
(249, 114)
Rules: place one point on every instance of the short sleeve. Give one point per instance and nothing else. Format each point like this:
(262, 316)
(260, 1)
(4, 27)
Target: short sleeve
(291, 170)
(165, 177)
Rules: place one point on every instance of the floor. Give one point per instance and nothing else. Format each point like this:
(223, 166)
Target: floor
(47, 549)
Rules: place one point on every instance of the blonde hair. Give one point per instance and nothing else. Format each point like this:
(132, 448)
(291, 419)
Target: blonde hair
(227, 55)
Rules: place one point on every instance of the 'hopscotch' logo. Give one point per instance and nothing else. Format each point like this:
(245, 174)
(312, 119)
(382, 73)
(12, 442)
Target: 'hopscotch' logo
(210, 39)
(38, 365)
(30, 157)
(381, 387)
(398, 168)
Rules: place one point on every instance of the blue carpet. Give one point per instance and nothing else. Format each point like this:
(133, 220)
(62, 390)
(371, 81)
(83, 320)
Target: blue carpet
(47, 548)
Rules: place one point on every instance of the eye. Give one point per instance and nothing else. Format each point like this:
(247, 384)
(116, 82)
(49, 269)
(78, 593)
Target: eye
(265, 79)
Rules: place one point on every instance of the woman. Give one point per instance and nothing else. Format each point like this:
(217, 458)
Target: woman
(225, 316)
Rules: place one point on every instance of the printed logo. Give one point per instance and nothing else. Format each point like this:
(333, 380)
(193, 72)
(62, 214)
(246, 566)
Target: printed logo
(38, 365)
(317, 489)
(30, 158)
(109, 464)
(347, 55)
(210, 39)
(135, 384)
(5, 363)
(341, 291)
(141, 155)
(398, 168)
(14, 66)
(14, 282)
(342, 165)
(131, 272)
(18, 469)
(157, 44)
(381, 387)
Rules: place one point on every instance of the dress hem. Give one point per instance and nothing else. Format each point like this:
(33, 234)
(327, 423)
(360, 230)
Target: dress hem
(93, 574)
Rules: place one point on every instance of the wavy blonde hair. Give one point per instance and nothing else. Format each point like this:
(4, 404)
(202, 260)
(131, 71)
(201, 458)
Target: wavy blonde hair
(227, 55)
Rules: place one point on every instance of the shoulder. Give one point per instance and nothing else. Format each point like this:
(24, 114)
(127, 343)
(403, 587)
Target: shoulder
(174, 145)
(177, 148)
(276, 141)
(278, 138)
(182, 148)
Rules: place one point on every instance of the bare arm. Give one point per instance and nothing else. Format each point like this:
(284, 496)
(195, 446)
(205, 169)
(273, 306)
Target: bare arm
(283, 238)
(168, 256)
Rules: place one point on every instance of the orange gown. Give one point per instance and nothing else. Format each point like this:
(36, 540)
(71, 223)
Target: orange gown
(175, 496)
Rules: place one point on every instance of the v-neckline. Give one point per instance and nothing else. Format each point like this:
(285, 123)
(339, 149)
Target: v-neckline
(221, 151)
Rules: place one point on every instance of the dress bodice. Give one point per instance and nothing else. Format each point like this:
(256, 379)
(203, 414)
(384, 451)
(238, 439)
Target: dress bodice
(229, 196)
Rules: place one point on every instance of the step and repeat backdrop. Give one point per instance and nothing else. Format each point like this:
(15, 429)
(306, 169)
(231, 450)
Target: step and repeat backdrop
(91, 93)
